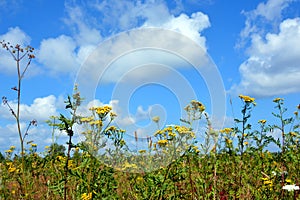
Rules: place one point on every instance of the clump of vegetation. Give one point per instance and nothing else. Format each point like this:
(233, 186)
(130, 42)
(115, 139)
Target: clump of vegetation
(232, 163)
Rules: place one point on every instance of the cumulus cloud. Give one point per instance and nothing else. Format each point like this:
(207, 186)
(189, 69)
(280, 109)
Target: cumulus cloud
(58, 55)
(41, 109)
(268, 13)
(272, 67)
(121, 16)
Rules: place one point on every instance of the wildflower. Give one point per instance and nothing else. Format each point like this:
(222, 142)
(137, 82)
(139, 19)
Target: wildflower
(226, 130)
(296, 113)
(122, 142)
(294, 134)
(8, 151)
(197, 105)
(12, 147)
(34, 145)
(262, 121)
(142, 151)
(247, 99)
(162, 142)
(103, 110)
(86, 196)
(246, 143)
(288, 180)
(139, 179)
(171, 134)
(276, 100)
(113, 115)
(11, 169)
(156, 119)
(290, 187)
(228, 141)
(111, 128)
(86, 119)
(96, 122)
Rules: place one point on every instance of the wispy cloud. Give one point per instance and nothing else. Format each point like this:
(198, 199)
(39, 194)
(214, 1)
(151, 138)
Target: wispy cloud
(272, 66)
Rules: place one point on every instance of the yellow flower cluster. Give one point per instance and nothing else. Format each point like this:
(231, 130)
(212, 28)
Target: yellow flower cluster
(262, 121)
(96, 122)
(102, 110)
(129, 166)
(184, 130)
(226, 130)
(156, 119)
(267, 182)
(162, 142)
(87, 119)
(86, 196)
(196, 106)
(228, 141)
(195, 148)
(247, 99)
(276, 100)
(142, 151)
(294, 134)
(11, 167)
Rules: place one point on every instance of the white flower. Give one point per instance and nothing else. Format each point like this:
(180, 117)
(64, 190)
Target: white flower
(290, 187)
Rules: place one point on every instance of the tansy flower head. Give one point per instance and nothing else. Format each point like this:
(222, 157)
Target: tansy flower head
(226, 130)
(276, 100)
(247, 99)
(156, 119)
(262, 121)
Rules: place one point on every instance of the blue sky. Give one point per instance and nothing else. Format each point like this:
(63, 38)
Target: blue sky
(254, 46)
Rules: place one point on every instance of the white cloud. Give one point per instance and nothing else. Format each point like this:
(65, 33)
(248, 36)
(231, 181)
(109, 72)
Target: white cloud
(273, 65)
(269, 12)
(41, 109)
(120, 16)
(58, 54)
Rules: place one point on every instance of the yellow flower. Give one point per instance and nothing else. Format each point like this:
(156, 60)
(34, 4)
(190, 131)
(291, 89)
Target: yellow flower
(197, 105)
(139, 179)
(246, 143)
(288, 180)
(226, 130)
(12, 147)
(228, 141)
(34, 145)
(103, 110)
(156, 119)
(96, 122)
(293, 134)
(113, 115)
(122, 142)
(162, 142)
(247, 99)
(171, 134)
(268, 182)
(262, 121)
(276, 100)
(142, 151)
(11, 169)
(86, 119)
(8, 151)
(86, 196)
